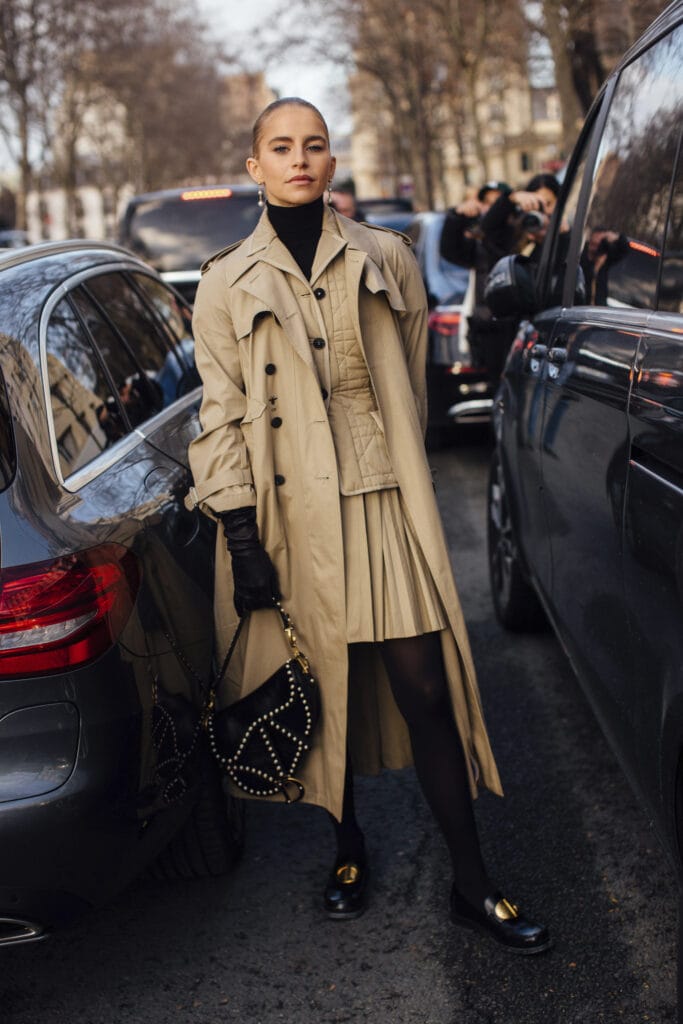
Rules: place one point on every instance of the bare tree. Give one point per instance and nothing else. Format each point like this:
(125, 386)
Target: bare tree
(24, 65)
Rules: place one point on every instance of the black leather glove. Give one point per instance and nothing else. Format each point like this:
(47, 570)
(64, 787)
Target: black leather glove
(254, 575)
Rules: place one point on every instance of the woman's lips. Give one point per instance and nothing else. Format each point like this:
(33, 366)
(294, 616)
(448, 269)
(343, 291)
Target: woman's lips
(301, 179)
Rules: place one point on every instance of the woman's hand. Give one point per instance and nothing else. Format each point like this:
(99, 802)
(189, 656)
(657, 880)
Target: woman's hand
(254, 575)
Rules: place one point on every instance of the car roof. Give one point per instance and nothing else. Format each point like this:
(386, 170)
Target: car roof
(176, 193)
(27, 254)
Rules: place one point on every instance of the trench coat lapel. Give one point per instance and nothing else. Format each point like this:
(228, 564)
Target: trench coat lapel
(263, 278)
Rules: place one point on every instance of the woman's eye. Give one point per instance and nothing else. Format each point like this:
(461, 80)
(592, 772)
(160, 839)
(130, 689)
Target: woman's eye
(316, 147)
(279, 149)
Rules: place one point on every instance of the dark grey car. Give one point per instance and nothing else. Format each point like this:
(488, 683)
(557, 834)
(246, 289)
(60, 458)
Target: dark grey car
(586, 496)
(106, 584)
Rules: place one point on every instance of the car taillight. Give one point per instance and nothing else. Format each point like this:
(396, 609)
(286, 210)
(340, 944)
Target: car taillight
(60, 614)
(445, 322)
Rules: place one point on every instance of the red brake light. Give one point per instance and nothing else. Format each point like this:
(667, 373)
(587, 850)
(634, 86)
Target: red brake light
(206, 193)
(60, 614)
(444, 323)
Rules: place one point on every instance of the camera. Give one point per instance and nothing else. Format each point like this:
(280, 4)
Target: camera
(472, 227)
(532, 220)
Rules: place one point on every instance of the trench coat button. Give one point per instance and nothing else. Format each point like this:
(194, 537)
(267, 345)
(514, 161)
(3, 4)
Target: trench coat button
(318, 343)
(276, 421)
(279, 479)
(325, 393)
(270, 368)
(319, 293)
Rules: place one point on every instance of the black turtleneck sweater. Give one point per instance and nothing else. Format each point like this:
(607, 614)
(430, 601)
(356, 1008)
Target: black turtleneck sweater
(299, 229)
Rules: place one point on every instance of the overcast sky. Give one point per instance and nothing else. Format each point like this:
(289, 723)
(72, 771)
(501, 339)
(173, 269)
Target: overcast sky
(315, 80)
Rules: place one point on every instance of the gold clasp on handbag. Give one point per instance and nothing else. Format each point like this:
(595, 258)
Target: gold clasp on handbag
(209, 709)
(291, 637)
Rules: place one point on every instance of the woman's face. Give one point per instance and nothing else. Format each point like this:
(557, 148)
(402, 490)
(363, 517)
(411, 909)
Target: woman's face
(293, 159)
(548, 198)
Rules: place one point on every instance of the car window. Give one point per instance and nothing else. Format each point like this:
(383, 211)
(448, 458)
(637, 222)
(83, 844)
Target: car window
(176, 316)
(671, 284)
(86, 416)
(179, 373)
(624, 228)
(566, 215)
(7, 450)
(135, 379)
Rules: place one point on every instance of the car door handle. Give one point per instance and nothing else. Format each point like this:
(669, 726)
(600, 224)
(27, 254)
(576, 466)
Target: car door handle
(539, 351)
(557, 356)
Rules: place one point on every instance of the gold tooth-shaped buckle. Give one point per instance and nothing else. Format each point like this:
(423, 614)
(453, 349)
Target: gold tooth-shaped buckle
(347, 874)
(504, 910)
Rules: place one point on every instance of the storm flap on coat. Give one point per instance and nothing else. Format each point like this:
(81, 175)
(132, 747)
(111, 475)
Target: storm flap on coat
(251, 344)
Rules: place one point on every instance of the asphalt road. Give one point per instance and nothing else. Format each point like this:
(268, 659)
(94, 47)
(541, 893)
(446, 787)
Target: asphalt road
(568, 842)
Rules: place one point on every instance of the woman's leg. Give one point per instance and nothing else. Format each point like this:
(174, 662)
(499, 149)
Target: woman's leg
(350, 843)
(344, 895)
(419, 684)
(418, 681)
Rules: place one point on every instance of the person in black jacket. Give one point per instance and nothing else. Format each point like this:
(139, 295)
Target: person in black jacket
(507, 221)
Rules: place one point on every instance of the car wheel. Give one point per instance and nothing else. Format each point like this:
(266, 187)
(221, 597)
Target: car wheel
(515, 601)
(212, 839)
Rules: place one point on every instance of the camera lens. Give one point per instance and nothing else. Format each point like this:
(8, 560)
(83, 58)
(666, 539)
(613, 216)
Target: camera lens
(533, 220)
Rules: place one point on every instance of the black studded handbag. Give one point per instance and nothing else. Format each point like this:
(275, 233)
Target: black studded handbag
(261, 741)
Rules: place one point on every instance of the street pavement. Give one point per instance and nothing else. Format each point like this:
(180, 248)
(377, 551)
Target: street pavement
(568, 842)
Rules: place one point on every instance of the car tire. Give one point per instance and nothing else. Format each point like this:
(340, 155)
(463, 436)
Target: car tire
(211, 841)
(515, 601)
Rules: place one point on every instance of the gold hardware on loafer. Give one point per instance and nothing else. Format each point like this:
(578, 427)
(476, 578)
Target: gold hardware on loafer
(504, 910)
(347, 874)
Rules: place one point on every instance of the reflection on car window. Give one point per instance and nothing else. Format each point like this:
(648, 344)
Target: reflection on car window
(567, 217)
(624, 230)
(179, 374)
(8, 455)
(671, 284)
(86, 416)
(175, 315)
(138, 390)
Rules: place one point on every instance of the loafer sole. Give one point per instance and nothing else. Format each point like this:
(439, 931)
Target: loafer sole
(465, 922)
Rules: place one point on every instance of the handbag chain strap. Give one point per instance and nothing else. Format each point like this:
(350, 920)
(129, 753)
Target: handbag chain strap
(288, 627)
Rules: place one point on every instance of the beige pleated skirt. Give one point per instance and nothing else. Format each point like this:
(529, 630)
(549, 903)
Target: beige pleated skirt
(390, 592)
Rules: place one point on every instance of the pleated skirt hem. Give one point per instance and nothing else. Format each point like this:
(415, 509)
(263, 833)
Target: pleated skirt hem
(390, 591)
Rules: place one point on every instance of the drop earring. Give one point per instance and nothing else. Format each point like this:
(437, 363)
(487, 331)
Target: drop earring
(329, 191)
(261, 201)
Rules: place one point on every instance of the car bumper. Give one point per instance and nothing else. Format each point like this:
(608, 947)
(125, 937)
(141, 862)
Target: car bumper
(77, 843)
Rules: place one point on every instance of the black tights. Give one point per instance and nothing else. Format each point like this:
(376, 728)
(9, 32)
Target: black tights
(418, 682)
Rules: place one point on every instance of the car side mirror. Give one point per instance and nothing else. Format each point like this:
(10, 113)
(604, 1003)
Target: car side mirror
(510, 288)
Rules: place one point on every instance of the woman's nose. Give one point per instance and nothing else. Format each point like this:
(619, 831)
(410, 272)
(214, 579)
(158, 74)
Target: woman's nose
(300, 158)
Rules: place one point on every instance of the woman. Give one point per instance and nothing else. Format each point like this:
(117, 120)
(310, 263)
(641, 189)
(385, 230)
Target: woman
(310, 341)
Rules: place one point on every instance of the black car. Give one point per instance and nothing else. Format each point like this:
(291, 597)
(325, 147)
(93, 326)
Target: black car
(105, 590)
(586, 493)
(459, 390)
(395, 212)
(175, 230)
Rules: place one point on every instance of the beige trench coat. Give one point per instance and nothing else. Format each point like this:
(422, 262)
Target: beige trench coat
(247, 318)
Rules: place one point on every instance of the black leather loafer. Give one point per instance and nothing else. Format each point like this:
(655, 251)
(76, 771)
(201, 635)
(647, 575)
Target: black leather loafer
(501, 920)
(345, 891)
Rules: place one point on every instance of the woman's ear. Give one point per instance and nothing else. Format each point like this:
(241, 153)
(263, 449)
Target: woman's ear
(254, 169)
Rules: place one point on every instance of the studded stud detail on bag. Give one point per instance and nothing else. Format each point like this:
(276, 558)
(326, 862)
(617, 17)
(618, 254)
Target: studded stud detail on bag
(262, 740)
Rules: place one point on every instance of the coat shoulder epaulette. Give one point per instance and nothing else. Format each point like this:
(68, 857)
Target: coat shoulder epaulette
(207, 264)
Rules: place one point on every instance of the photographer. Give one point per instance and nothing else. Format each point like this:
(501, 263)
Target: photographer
(518, 220)
(462, 243)
(461, 230)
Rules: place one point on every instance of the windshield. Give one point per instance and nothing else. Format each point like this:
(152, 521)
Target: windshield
(177, 234)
